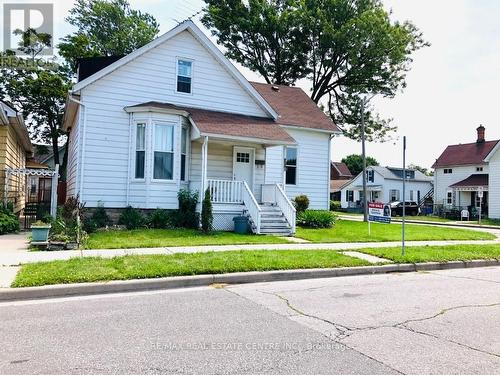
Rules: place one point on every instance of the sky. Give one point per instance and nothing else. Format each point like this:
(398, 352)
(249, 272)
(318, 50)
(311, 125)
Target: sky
(451, 88)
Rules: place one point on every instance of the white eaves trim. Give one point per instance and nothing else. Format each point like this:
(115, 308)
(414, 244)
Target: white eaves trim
(202, 38)
(492, 152)
(298, 127)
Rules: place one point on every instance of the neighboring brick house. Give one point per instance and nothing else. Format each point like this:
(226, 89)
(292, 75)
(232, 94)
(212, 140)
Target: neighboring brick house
(340, 175)
(464, 170)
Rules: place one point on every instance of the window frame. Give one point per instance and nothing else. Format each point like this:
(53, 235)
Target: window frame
(134, 150)
(479, 169)
(186, 156)
(349, 196)
(448, 171)
(153, 150)
(176, 78)
(296, 166)
(449, 197)
(397, 195)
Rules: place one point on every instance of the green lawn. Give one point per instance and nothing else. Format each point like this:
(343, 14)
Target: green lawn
(91, 269)
(128, 239)
(437, 253)
(357, 231)
(436, 219)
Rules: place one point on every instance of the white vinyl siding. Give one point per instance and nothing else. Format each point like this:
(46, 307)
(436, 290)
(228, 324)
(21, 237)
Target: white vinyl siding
(73, 158)
(443, 181)
(494, 186)
(274, 165)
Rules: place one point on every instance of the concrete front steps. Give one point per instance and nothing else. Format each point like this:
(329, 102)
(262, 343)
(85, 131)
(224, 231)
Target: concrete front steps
(273, 221)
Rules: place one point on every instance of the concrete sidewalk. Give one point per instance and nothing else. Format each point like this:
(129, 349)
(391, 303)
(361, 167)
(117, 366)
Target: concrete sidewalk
(14, 258)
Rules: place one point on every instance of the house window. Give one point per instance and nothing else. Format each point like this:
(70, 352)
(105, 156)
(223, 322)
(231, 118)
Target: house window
(448, 171)
(184, 148)
(394, 195)
(411, 195)
(140, 150)
(449, 197)
(370, 176)
(349, 196)
(291, 166)
(479, 169)
(184, 76)
(163, 165)
(243, 157)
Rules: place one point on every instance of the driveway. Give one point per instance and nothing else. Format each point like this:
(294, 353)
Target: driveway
(443, 322)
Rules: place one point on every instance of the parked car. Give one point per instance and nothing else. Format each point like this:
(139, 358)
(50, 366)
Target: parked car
(412, 208)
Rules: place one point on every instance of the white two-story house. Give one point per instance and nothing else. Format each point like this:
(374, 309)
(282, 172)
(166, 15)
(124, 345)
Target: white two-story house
(176, 114)
(384, 185)
(466, 171)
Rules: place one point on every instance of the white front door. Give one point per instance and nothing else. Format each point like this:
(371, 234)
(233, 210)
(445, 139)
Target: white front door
(243, 162)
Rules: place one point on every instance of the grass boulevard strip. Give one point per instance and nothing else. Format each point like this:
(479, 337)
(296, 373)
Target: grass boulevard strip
(93, 269)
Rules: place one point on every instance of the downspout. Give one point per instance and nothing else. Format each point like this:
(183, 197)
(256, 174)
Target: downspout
(82, 139)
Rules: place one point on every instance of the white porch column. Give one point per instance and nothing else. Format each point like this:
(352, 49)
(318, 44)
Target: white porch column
(53, 192)
(204, 163)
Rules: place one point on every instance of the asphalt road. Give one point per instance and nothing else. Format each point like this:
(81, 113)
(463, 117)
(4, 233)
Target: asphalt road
(445, 322)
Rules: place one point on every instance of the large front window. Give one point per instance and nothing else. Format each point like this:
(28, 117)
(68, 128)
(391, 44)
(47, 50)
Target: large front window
(291, 166)
(184, 147)
(163, 165)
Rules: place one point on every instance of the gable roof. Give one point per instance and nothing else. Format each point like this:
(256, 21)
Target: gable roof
(201, 37)
(342, 169)
(465, 154)
(223, 124)
(395, 173)
(295, 107)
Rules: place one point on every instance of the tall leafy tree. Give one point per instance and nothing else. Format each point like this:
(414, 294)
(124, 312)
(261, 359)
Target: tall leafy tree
(37, 89)
(348, 48)
(355, 163)
(106, 28)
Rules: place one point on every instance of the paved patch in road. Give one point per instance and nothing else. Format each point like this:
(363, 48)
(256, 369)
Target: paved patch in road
(440, 322)
(202, 331)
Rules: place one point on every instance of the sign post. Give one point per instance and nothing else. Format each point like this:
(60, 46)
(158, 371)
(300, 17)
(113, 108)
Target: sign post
(404, 198)
(378, 212)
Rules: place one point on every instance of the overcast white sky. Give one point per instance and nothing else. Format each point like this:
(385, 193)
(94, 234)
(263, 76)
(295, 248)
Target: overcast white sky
(452, 87)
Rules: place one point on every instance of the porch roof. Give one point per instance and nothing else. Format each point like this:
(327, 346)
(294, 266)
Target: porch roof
(228, 125)
(473, 181)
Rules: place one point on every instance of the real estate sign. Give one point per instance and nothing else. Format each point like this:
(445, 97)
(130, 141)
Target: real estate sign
(379, 212)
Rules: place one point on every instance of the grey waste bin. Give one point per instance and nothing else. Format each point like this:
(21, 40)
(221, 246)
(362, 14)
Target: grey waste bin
(240, 224)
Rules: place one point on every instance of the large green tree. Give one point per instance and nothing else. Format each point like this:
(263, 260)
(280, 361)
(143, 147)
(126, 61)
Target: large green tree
(355, 163)
(106, 28)
(346, 48)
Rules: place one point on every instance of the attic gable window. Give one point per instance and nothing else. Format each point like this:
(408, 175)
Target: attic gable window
(184, 76)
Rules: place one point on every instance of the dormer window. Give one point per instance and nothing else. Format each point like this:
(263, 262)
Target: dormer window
(184, 76)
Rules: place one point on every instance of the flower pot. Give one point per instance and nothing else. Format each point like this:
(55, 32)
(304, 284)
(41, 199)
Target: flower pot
(40, 233)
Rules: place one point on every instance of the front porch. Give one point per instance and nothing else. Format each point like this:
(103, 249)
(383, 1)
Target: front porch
(239, 184)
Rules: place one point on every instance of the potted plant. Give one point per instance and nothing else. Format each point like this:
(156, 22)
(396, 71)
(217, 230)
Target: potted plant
(40, 231)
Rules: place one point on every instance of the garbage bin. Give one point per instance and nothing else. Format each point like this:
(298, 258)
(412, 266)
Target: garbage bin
(240, 224)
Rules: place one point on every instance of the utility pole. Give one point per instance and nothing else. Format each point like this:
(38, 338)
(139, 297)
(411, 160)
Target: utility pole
(363, 152)
(404, 198)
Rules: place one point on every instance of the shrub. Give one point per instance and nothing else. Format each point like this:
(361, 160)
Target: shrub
(335, 206)
(132, 218)
(162, 219)
(100, 217)
(316, 219)
(9, 222)
(207, 217)
(301, 203)
(188, 217)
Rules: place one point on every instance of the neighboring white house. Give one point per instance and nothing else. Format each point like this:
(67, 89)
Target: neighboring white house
(176, 114)
(385, 184)
(465, 169)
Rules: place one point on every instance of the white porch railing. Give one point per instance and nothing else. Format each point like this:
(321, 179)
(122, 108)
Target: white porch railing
(252, 206)
(226, 191)
(285, 206)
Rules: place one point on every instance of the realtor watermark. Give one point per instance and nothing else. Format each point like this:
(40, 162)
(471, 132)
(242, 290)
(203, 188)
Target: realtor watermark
(246, 346)
(27, 34)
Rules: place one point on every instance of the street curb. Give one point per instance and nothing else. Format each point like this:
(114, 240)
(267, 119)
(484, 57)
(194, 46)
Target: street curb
(71, 290)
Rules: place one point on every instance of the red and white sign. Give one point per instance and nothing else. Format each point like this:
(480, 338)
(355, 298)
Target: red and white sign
(379, 212)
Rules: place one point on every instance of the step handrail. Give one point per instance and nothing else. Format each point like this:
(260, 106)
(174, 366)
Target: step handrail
(286, 207)
(252, 206)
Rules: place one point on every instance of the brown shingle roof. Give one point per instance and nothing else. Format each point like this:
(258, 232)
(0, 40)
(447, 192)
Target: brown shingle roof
(337, 185)
(473, 180)
(465, 154)
(229, 124)
(294, 107)
(342, 168)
